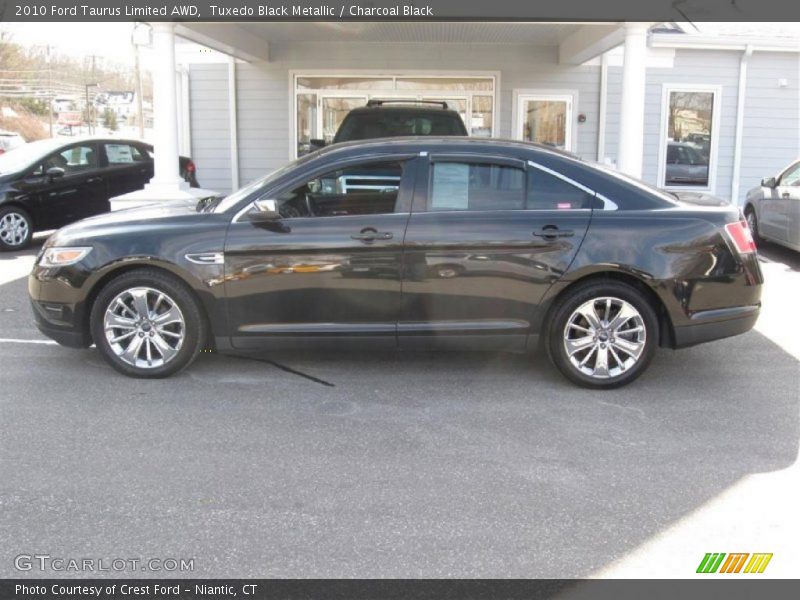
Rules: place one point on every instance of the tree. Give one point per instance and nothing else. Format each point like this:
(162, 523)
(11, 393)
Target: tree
(110, 118)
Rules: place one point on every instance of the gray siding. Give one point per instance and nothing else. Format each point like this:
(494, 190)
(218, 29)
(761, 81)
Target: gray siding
(265, 126)
(263, 89)
(211, 142)
(771, 135)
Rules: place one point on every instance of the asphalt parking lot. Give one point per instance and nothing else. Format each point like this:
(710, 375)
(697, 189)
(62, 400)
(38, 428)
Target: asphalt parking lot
(384, 465)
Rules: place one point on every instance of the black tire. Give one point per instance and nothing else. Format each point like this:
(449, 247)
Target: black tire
(752, 223)
(193, 327)
(561, 315)
(8, 236)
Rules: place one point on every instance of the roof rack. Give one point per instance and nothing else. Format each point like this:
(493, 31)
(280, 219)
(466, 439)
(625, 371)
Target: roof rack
(376, 102)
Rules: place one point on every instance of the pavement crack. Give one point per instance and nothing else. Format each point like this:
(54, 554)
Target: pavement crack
(285, 368)
(635, 409)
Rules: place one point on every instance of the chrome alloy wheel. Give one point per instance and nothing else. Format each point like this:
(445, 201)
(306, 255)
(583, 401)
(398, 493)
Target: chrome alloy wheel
(604, 337)
(144, 327)
(13, 229)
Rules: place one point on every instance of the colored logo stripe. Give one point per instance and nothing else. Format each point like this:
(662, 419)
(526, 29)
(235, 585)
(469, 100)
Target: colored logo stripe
(734, 563)
(711, 562)
(758, 563)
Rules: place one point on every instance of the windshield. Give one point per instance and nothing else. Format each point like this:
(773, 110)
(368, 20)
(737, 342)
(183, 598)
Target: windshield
(233, 199)
(25, 156)
(395, 123)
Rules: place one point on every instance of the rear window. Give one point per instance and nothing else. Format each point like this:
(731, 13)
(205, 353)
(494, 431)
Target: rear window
(377, 124)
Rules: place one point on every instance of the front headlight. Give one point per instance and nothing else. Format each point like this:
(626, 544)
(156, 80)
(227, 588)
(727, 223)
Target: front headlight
(63, 256)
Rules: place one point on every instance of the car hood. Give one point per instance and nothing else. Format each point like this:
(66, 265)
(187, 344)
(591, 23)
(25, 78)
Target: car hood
(144, 218)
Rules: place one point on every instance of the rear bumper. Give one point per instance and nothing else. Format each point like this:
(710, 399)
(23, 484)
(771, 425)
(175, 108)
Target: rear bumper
(709, 325)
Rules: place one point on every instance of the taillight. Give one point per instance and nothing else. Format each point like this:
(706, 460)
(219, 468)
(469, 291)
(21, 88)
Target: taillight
(190, 168)
(741, 236)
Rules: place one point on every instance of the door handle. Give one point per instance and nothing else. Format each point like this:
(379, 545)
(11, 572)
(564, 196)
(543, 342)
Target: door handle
(94, 179)
(370, 235)
(785, 195)
(551, 231)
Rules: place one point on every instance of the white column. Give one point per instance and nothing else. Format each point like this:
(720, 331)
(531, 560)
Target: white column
(166, 178)
(167, 183)
(631, 129)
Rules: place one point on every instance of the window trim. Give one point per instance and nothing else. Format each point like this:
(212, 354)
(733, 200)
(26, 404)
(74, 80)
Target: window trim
(716, 105)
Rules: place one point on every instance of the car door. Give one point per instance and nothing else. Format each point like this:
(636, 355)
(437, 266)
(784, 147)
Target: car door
(78, 193)
(329, 268)
(128, 167)
(487, 237)
(785, 206)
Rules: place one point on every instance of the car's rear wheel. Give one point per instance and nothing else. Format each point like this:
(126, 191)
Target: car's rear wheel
(752, 223)
(602, 335)
(16, 228)
(146, 323)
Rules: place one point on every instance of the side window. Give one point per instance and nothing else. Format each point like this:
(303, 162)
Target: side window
(548, 192)
(74, 159)
(791, 177)
(476, 186)
(366, 189)
(123, 154)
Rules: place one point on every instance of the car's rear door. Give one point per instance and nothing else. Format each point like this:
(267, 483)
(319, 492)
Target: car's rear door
(329, 269)
(128, 167)
(488, 235)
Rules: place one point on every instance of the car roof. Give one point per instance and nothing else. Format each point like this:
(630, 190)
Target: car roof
(399, 107)
(438, 144)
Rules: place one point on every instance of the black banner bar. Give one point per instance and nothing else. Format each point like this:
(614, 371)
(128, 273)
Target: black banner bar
(400, 10)
(388, 589)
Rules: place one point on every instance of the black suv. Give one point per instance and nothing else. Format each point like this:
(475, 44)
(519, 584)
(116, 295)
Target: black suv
(397, 118)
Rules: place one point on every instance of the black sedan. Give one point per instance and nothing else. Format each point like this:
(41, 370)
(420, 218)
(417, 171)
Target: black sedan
(412, 243)
(50, 183)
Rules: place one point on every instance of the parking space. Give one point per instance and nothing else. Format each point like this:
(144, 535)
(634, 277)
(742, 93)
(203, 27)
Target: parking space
(330, 464)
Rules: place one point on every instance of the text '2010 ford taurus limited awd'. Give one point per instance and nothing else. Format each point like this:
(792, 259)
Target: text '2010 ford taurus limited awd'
(412, 243)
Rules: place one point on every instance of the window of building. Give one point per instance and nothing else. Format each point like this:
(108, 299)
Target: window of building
(322, 101)
(688, 152)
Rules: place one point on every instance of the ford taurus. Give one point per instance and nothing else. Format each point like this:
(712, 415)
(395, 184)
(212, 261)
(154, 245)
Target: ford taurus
(409, 243)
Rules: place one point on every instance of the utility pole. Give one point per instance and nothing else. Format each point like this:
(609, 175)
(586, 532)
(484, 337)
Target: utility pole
(138, 89)
(49, 91)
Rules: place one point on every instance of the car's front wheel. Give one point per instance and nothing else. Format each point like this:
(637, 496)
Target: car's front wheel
(16, 228)
(602, 335)
(146, 323)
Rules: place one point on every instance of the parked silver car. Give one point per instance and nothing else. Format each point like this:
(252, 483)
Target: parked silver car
(773, 208)
(686, 164)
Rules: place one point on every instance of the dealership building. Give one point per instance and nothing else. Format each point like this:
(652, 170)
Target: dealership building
(679, 106)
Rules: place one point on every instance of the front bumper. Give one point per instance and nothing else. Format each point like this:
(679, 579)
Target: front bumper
(710, 325)
(58, 307)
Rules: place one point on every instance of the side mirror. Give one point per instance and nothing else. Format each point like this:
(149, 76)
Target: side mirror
(54, 173)
(768, 182)
(316, 144)
(266, 211)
